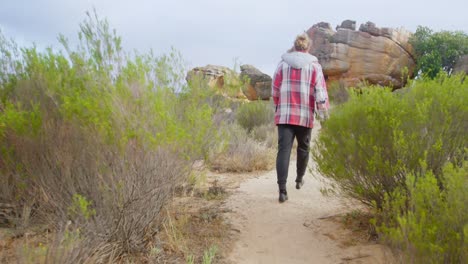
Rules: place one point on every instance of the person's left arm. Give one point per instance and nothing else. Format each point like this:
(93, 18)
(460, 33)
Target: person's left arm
(320, 89)
(276, 84)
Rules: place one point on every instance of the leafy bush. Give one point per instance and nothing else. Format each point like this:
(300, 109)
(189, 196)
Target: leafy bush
(97, 138)
(371, 143)
(436, 51)
(255, 113)
(426, 223)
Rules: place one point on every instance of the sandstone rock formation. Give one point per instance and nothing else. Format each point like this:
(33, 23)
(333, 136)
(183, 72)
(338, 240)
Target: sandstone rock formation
(347, 24)
(461, 65)
(219, 77)
(257, 84)
(211, 75)
(372, 54)
(251, 83)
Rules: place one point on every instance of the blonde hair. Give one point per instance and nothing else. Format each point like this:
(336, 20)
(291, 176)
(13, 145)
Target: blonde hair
(302, 42)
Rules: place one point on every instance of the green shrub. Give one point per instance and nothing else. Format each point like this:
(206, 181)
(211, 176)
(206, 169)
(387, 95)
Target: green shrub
(438, 51)
(373, 141)
(354, 146)
(117, 130)
(257, 113)
(426, 223)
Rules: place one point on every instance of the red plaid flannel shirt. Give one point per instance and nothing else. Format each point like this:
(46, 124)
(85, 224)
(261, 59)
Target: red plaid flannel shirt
(293, 93)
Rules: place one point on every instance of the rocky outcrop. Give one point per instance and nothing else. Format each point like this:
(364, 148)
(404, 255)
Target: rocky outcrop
(219, 77)
(211, 75)
(347, 24)
(375, 55)
(257, 85)
(251, 83)
(461, 65)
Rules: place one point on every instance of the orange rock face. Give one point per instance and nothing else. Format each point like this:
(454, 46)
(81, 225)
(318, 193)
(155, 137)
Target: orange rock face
(257, 85)
(380, 56)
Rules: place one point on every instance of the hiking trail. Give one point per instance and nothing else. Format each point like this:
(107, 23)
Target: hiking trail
(297, 231)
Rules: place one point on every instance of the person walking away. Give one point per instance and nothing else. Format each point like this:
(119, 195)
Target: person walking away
(298, 88)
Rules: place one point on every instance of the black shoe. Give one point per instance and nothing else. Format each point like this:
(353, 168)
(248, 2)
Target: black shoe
(283, 196)
(299, 184)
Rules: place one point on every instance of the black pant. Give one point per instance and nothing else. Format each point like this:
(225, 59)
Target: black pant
(286, 134)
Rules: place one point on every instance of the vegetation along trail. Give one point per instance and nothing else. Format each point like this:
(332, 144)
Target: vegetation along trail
(297, 231)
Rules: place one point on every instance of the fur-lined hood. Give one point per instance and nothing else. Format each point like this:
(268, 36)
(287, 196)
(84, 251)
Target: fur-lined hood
(298, 59)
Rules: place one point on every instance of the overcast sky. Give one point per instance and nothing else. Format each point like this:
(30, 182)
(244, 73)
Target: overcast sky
(219, 31)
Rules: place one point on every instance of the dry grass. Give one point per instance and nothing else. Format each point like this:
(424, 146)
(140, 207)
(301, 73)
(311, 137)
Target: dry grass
(242, 153)
(186, 233)
(267, 134)
(102, 202)
(193, 225)
(355, 228)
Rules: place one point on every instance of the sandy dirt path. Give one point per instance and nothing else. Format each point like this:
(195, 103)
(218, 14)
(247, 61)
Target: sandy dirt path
(295, 231)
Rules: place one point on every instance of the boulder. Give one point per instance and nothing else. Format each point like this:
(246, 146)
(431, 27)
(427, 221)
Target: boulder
(370, 28)
(347, 24)
(257, 84)
(213, 76)
(461, 65)
(216, 77)
(375, 55)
